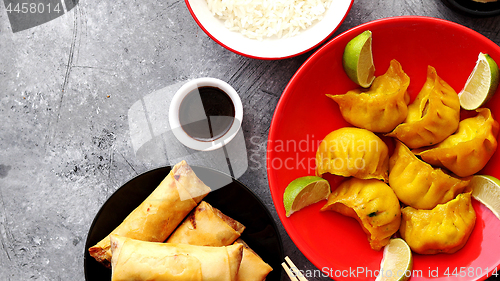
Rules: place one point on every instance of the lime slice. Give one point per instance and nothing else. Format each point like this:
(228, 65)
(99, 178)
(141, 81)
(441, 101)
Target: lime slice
(486, 189)
(358, 59)
(397, 262)
(303, 192)
(481, 84)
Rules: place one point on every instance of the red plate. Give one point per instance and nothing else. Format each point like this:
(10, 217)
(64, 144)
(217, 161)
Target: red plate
(304, 116)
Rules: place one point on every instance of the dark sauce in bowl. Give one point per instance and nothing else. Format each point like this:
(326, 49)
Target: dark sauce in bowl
(206, 113)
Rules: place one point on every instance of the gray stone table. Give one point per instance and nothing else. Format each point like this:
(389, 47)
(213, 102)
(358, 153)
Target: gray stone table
(65, 90)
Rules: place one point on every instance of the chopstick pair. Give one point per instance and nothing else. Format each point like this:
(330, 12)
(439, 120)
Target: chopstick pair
(292, 271)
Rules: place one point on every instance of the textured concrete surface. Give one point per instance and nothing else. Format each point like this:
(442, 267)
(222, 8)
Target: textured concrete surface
(65, 90)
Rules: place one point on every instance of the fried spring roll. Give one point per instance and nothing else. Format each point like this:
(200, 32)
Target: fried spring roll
(252, 267)
(160, 213)
(207, 226)
(140, 260)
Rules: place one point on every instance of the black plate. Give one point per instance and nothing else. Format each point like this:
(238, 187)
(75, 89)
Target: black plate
(233, 199)
(474, 8)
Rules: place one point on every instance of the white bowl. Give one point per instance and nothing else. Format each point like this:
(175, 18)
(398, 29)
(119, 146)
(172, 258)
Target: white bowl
(173, 114)
(269, 48)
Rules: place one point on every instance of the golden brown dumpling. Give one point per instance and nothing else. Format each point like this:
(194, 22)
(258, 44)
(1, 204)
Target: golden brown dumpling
(433, 116)
(353, 152)
(418, 184)
(372, 203)
(468, 150)
(444, 229)
(380, 108)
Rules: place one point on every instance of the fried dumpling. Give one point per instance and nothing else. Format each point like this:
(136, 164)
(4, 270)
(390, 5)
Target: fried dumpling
(444, 229)
(380, 108)
(353, 152)
(418, 184)
(372, 203)
(468, 150)
(433, 116)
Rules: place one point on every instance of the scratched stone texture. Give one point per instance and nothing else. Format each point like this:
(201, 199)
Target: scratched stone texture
(66, 87)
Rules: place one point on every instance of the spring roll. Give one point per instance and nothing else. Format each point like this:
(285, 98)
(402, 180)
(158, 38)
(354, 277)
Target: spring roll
(252, 267)
(160, 213)
(207, 226)
(141, 260)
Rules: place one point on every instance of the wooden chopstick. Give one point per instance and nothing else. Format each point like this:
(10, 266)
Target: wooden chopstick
(292, 270)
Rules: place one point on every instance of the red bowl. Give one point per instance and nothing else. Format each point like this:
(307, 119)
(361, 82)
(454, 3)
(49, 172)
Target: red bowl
(335, 244)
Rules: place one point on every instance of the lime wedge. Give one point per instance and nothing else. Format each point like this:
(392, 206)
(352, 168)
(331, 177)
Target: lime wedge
(303, 192)
(486, 189)
(358, 59)
(481, 84)
(397, 262)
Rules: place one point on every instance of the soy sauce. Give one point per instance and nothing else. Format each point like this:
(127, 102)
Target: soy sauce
(206, 113)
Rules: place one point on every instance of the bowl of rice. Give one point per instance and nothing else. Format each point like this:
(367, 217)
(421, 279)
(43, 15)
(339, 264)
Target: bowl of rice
(269, 29)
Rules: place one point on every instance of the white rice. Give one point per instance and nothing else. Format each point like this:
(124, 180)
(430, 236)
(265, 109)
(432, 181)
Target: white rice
(258, 19)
